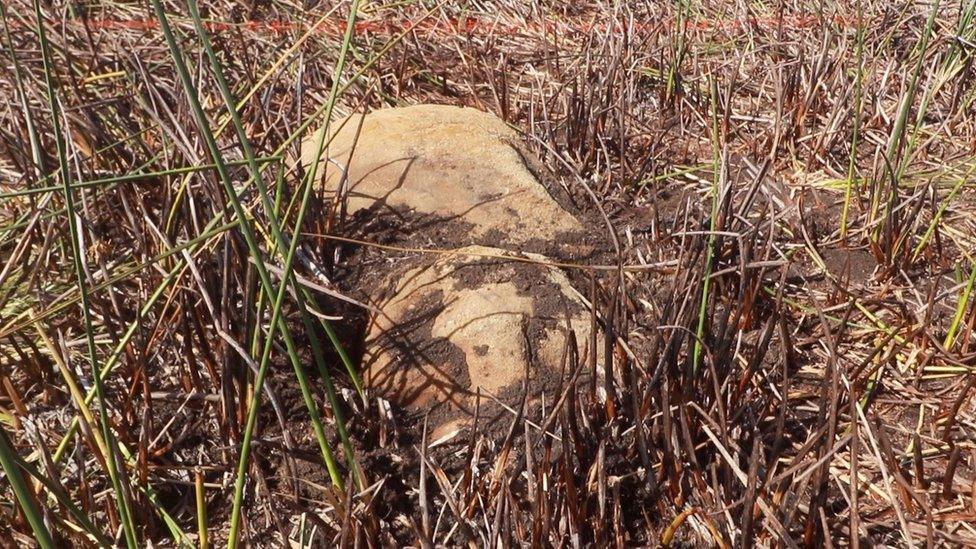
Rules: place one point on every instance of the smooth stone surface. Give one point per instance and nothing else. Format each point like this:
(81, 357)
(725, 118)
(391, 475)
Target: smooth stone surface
(448, 162)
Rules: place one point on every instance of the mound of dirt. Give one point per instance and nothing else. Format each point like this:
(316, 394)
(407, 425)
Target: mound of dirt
(482, 319)
(447, 164)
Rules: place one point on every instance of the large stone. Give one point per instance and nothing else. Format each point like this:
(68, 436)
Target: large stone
(481, 319)
(447, 163)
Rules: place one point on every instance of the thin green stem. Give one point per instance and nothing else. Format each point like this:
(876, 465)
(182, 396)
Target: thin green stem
(125, 514)
(856, 131)
(249, 236)
(8, 460)
(710, 251)
(960, 310)
(129, 177)
(894, 150)
(281, 243)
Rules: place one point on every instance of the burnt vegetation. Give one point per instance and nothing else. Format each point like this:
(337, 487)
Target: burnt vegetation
(784, 193)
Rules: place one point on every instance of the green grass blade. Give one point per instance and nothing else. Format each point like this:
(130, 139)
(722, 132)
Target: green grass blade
(247, 231)
(125, 513)
(35, 143)
(858, 113)
(895, 149)
(282, 291)
(64, 500)
(129, 177)
(713, 221)
(8, 459)
(280, 242)
(960, 311)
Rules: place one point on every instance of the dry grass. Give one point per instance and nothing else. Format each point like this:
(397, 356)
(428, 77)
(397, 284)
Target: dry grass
(804, 371)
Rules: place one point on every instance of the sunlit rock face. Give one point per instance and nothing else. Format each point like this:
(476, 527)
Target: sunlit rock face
(442, 163)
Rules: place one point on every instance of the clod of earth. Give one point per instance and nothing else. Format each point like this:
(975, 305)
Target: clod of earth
(475, 320)
(442, 162)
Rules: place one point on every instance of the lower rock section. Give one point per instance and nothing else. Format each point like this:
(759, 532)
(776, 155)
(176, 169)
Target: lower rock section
(482, 319)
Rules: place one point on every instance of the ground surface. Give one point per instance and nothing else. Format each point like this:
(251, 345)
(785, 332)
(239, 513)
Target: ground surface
(787, 188)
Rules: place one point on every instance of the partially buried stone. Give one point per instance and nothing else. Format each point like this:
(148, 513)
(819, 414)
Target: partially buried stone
(483, 319)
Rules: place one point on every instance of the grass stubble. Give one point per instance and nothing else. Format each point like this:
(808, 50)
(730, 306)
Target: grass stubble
(788, 328)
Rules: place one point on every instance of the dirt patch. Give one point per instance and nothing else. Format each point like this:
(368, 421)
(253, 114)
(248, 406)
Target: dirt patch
(857, 264)
(401, 227)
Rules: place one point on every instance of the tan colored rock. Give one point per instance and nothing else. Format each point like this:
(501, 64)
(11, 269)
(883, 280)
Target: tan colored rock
(469, 321)
(438, 176)
(443, 161)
